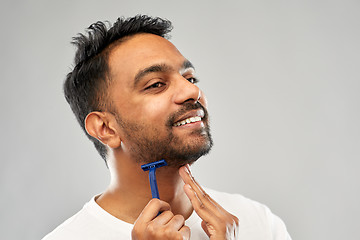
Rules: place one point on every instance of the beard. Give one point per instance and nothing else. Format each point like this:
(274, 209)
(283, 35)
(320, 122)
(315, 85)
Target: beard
(147, 145)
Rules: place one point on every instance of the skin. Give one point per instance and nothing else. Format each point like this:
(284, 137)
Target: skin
(145, 97)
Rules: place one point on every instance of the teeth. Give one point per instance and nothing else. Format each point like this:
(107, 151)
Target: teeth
(188, 120)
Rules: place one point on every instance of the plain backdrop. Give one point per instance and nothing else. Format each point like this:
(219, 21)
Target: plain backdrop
(282, 79)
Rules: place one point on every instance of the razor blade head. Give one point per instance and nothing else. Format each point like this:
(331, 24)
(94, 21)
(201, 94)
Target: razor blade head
(154, 165)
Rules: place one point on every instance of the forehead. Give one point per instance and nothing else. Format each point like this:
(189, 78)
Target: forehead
(142, 51)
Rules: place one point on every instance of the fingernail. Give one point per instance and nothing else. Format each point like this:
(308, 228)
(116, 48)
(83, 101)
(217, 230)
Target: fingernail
(188, 169)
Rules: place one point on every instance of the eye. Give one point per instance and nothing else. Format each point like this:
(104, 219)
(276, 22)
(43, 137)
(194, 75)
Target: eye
(193, 80)
(155, 85)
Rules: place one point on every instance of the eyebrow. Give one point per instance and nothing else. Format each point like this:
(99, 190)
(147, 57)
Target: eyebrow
(159, 68)
(187, 64)
(154, 68)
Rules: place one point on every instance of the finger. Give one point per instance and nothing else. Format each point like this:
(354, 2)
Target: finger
(185, 232)
(201, 192)
(205, 228)
(152, 209)
(176, 223)
(200, 208)
(186, 175)
(188, 178)
(163, 218)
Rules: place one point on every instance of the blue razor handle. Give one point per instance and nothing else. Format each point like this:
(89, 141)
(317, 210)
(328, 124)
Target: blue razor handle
(151, 167)
(153, 183)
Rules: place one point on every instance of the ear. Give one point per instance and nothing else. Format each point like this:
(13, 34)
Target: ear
(101, 125)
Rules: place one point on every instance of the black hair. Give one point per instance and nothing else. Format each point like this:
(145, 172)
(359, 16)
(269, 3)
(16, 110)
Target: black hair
(85, 87)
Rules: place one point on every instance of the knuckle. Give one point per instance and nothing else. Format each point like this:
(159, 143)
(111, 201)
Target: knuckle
(155, 201)
(179, 218)
(168, 232)
(178, 237)
(222, 225)
(205, 195)
(168, 214)
(151, 228)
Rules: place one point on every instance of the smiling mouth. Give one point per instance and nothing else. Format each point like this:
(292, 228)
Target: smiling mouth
(187, 120)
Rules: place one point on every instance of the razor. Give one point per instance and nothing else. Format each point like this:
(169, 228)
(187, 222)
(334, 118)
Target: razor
(151, 167)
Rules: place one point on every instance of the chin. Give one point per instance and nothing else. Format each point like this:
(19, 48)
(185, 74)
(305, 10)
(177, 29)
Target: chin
(187, 156)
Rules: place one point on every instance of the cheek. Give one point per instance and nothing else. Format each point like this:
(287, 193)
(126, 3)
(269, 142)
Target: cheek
(156, 110)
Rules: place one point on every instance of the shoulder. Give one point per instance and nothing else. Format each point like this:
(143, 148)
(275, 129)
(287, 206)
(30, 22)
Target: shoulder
(90, 223)
(71, 228)
(66, 229)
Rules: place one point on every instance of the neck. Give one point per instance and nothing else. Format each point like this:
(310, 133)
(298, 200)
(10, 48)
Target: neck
(129, 190)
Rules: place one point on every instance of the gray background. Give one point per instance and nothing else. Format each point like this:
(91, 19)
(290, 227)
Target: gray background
(282, 80)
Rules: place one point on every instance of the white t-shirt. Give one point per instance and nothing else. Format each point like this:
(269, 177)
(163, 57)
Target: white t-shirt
(92, 222)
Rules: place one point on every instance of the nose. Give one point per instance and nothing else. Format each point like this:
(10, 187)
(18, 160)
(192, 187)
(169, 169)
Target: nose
(186, 92)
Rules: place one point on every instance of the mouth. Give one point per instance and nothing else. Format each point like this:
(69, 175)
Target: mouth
(187, 121)
(190, 117)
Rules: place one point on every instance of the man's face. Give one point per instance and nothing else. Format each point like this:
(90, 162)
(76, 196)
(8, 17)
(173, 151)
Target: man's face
(161, 113)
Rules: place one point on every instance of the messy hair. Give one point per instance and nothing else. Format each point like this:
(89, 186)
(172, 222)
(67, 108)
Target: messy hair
(86, 86)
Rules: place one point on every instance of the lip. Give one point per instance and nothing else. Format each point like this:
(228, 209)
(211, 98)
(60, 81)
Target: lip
(193, 113)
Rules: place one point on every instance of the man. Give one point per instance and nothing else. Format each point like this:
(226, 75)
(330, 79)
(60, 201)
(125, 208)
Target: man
(136, 97)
